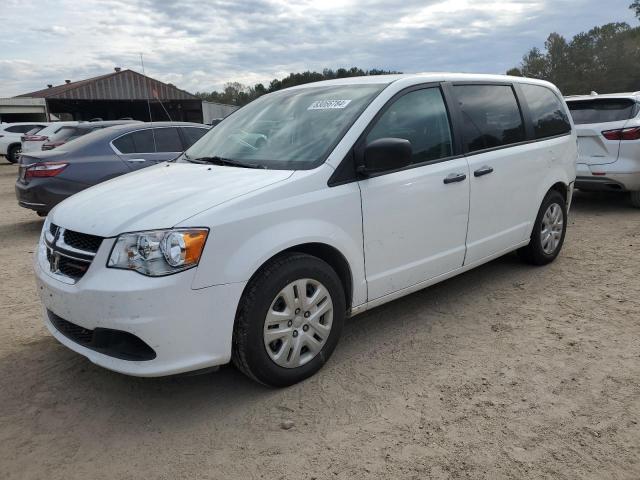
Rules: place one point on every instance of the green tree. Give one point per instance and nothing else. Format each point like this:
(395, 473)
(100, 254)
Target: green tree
(635, 6)
(604, 59)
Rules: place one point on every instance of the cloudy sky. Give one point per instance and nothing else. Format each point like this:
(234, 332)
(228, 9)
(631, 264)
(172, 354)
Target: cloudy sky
(199, 45)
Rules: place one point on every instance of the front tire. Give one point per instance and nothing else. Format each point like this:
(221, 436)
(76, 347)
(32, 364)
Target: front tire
(548, 232)
(635, 199)
(289, 320)
(13, 153)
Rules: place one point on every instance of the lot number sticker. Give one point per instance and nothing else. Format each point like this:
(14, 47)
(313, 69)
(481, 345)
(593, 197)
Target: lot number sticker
(328, 104)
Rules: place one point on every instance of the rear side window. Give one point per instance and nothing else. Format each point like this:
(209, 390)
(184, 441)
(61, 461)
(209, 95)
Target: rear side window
(22, 128)
(65, 133)
(143, 141)
(490, 116)
(168, 140)
(193, 134)
(602, 110)
(420, 117)
(547, 113)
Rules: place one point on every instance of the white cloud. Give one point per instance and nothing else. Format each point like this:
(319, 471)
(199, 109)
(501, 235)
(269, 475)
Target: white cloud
(199, 45)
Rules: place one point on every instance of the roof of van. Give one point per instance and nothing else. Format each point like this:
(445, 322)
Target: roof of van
(423, 77)
(631, 95)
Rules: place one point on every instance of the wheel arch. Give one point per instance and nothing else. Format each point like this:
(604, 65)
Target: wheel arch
(329, 254)
(560, 187)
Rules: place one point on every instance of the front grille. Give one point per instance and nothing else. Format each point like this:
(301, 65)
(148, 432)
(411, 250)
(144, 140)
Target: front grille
(82, 241)
(70, 253)
(115, 343)
(69, 267)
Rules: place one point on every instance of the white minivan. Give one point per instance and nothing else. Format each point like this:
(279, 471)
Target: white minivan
(307, 206)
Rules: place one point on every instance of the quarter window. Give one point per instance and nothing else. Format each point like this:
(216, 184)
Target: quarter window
(124, 144)
(421, 117)
(490, 116)
(547, 113)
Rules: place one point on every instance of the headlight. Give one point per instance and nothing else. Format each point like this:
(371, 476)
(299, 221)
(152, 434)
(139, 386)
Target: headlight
(158, 252)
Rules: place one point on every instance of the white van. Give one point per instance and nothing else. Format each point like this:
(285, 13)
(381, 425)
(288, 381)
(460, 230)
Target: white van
(306, 206)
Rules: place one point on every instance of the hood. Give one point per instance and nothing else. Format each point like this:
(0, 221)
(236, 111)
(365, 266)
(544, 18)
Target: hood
(158, 197)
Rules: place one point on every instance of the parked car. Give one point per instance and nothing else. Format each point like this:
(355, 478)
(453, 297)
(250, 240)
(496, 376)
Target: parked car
(10, 133)
(46, 178)
(608, 128)
(70, 132)
(34, 139)
(257, 253)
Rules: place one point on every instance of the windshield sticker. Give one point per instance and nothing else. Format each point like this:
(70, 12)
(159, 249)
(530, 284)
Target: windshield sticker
(328, 104)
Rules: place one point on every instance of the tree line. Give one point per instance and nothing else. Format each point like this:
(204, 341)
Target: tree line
(235, 93)
(605, 59)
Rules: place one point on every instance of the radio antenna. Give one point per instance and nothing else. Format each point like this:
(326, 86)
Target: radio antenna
(146, 87)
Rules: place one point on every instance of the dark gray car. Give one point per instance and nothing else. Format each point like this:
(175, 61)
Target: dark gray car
(46, 178)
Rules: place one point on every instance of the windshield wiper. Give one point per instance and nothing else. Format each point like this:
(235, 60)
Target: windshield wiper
(223, 161)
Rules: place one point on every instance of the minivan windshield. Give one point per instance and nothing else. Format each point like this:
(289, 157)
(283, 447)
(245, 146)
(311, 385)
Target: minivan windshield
(292, 129)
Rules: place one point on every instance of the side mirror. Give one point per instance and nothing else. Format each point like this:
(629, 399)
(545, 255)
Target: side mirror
(385, 154)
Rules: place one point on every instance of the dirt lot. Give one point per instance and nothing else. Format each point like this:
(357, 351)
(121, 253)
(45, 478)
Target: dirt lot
(507, 371)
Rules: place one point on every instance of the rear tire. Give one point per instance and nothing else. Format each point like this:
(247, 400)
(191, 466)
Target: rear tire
(635, 199)
(283, 334)
(548, 232)
(13, 153)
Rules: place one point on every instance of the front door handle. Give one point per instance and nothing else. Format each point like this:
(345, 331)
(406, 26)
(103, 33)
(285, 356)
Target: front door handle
(454, 177)
(486, 170)
(136, 160)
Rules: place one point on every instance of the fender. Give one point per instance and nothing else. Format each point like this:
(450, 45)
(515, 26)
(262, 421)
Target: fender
(257, 227)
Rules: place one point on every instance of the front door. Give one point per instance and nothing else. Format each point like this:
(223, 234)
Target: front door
(415, 219)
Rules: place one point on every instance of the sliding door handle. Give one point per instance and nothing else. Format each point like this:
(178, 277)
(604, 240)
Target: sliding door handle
(486, 170)
(454, 177)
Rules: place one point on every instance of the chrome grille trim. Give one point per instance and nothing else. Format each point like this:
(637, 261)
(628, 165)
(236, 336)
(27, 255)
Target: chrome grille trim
(67, 263)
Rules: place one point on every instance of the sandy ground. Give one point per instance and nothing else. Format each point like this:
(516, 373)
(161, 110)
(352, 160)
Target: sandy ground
(508, 371)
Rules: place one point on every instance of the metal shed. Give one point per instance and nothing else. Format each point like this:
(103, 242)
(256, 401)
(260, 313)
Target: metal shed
(120, 94)
(23, 110)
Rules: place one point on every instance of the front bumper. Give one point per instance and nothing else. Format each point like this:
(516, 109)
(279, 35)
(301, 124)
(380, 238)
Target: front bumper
(187, 329)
